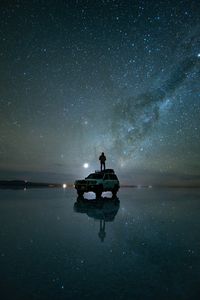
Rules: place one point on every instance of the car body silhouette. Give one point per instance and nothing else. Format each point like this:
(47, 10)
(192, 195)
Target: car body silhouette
(98, 182)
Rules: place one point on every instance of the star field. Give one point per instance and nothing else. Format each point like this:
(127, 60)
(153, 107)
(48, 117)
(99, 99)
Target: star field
(81, 77)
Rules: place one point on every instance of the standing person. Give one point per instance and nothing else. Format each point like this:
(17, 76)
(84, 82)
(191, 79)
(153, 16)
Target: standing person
(102, 159)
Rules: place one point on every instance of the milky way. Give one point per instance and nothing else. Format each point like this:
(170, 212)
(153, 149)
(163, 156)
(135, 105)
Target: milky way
(135, 116)
(78, 78)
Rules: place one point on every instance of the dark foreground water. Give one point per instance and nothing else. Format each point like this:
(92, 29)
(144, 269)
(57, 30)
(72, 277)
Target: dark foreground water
(146, 245)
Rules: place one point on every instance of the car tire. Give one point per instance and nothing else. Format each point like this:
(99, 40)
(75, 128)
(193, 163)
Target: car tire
(80, 193)
(98, 195)
(114, 191)
(99, 191)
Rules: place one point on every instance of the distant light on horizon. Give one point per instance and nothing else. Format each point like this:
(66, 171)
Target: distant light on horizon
(64, 185)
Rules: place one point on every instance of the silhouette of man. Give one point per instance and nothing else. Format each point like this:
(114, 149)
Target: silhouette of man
(102, 159)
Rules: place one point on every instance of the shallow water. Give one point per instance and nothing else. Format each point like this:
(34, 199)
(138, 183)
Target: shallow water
(146, 245)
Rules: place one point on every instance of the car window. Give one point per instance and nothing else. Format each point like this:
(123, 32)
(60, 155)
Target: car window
(95, 176)
(113, 176)
(106, 177)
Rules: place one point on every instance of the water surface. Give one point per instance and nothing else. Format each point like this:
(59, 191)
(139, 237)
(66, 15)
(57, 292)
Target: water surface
(144, 245)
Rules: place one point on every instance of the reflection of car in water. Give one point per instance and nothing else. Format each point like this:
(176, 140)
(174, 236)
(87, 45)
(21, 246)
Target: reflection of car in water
(105, 211)
(98, 182)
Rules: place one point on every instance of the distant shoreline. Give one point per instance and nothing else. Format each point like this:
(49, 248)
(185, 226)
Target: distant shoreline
(160, 186)
(21, 184)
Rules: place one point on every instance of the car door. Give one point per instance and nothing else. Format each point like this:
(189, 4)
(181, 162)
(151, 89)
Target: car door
(113, 180)
(107, 182)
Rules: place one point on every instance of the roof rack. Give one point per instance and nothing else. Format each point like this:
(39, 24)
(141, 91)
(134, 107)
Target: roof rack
(111, 171)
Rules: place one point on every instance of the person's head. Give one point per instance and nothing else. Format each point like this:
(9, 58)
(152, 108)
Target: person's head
(102, 153)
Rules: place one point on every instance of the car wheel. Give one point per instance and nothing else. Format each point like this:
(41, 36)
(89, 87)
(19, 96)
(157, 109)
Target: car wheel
(114, 191)
(98, 195)
(80, 193)
(99, 191)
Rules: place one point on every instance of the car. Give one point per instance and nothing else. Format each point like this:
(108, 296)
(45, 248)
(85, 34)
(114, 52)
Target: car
(98, 182)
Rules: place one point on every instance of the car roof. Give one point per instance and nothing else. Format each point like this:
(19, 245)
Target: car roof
(96, 173)
(106, 171)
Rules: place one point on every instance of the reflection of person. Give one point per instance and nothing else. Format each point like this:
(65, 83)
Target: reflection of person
(102, 232)
(102, 159)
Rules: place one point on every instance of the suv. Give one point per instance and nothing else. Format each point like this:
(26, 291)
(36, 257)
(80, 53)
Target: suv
(98, 182)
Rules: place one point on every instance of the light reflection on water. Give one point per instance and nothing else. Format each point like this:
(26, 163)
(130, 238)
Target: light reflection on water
(144, 245)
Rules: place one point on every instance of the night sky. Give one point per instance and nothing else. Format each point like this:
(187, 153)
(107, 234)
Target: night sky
(81, 77)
